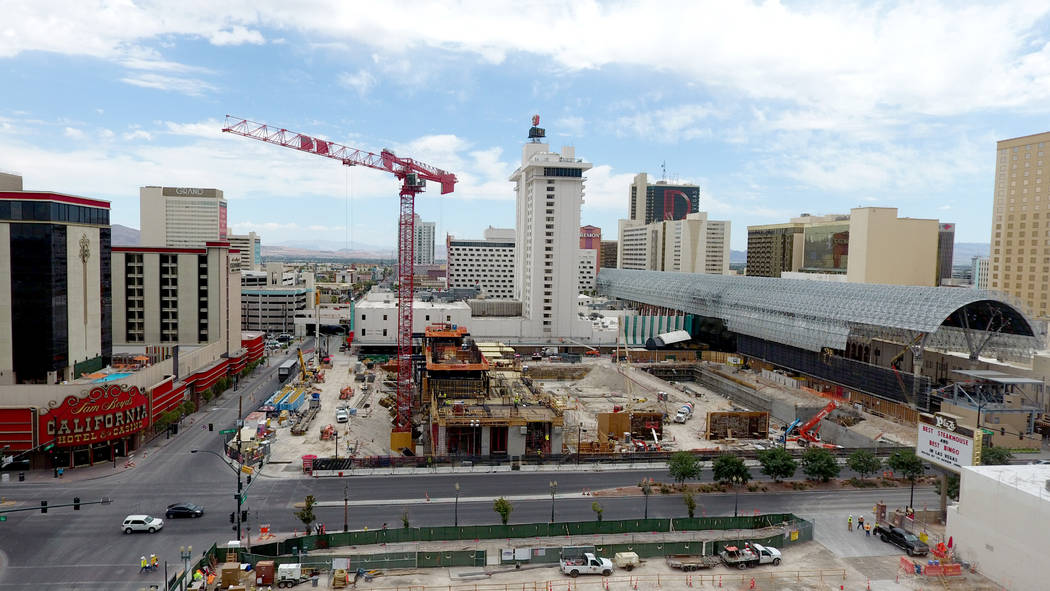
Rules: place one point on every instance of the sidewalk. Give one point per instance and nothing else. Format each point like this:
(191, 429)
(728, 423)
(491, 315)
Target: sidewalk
(101, 470)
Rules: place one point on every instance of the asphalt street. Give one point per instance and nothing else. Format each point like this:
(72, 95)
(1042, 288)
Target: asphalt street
(67, 549)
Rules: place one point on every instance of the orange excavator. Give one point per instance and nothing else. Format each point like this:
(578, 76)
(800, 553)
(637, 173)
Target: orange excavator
(809, 432)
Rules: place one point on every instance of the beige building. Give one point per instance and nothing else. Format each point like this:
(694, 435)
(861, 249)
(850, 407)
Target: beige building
(54, 285)
(866, 246)
(249, 247)
(187, 296)
(1020, 257)
(691, 245)
(181, 217)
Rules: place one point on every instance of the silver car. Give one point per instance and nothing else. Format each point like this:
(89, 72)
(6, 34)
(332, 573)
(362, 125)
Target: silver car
(134, 523)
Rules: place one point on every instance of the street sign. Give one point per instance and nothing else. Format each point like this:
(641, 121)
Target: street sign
(49, 446)
(228, 431)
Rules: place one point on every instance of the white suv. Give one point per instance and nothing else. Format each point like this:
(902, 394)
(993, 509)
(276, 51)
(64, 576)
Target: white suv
(134, 523)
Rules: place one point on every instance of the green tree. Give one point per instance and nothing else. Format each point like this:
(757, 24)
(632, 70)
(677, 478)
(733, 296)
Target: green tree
(503, 507)
(953, 486)
(863, 462)
(777, 463)
(819, 464)
(306, 514)
(995, 456)
(683, 466)
(597, 508)
(908, 465)
(729, 469)
(690, 503)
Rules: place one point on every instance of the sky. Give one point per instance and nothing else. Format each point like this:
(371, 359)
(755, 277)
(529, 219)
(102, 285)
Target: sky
(772, 108)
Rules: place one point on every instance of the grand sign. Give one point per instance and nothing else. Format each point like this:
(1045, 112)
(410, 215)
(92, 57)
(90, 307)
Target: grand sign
(944, 442)
(189, 192)
(104, 413)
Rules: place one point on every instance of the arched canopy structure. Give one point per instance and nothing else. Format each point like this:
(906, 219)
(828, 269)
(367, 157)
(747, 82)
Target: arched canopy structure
(814, 315)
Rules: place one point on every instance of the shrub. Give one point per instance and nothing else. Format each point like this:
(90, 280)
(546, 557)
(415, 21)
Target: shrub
(503, 507)
(863, 462)
(819, 464)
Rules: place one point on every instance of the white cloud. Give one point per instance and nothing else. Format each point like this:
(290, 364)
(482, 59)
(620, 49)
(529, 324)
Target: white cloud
(189, 86)
(236, 35)
(571, 125)
(74, 133)
(361, 81)
(670, 124)
(137, 134)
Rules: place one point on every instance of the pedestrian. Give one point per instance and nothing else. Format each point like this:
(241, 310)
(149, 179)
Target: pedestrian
(849, 523)
(153, 562)
(860, 522)
(143, 565)
(867, 529)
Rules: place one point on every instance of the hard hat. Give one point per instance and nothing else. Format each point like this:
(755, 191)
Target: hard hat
(142, 558)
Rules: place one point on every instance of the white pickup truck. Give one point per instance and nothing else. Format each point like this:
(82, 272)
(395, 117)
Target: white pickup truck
(587, 564)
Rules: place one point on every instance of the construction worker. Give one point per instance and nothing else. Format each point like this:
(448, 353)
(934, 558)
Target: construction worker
(867, 529)
(860, 522)
(143, 564)
(849, 522)
(153, 562)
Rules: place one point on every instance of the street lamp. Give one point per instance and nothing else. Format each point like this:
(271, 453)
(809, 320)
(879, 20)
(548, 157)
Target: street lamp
(554, 489)
(239, 496)
(346, 508)
(474, 424)
(456, 518)
(185, 553)
(647, 489)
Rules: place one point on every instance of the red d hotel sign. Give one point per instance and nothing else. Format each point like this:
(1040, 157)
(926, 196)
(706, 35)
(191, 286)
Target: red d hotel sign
(104, 413)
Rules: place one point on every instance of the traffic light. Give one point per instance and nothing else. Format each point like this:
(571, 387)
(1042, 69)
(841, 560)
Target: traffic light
(76, 503)
(43, 506)
(244, 516)
(211, 426)
(249, 479)
(233, 517)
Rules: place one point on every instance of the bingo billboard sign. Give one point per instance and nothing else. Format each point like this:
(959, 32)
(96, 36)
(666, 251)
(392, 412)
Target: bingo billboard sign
(942, 441)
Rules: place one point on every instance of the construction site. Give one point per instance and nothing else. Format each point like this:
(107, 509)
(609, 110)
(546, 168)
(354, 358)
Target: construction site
(482, 401)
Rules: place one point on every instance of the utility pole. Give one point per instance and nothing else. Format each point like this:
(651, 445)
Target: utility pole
(346, 508)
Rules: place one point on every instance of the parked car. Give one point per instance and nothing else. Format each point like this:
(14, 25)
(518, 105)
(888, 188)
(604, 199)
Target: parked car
(134, 523)
(902, 539)
(341, 416)
(184, 510)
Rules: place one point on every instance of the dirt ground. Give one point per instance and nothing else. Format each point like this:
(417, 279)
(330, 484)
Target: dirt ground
(367, 432)
(809, 566)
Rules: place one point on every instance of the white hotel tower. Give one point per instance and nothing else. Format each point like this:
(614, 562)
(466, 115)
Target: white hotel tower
(549, 188)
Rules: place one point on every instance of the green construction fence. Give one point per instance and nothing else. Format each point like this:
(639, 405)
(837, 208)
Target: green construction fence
(525, 530)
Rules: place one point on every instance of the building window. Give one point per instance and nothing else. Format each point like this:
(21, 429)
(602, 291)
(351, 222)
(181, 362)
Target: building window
(384, 332)
(364, 331)
(363, 316)
(384, 316)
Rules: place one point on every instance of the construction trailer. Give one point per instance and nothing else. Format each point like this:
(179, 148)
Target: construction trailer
(737, 425)
(474, 410)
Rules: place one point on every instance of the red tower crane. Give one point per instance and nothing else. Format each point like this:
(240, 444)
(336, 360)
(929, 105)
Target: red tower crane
(413, 176)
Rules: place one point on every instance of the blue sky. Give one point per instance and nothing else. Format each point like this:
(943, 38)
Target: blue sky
(772, 108)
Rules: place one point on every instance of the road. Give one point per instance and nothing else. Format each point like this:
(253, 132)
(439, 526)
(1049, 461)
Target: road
(85, 549)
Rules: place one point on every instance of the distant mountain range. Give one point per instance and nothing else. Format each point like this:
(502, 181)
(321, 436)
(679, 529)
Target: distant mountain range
(124, 236)
(335, 249)
(964, 251)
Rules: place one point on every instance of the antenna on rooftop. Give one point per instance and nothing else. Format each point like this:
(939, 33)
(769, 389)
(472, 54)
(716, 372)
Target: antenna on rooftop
(663, 171)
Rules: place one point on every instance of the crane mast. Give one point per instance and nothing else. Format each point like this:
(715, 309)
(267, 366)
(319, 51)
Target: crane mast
(413, 176)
